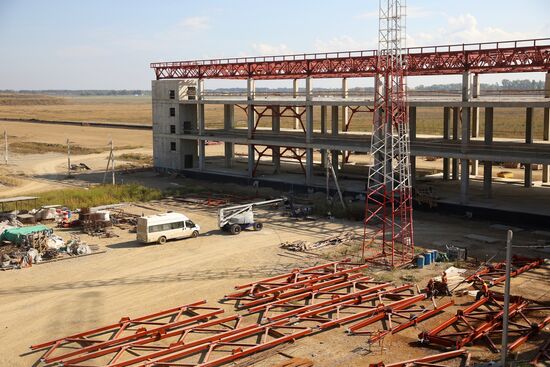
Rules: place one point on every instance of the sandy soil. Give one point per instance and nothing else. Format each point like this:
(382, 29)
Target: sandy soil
(55, 299)
(130, 279)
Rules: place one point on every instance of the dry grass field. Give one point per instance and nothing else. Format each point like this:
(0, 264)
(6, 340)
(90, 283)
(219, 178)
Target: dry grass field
(509, 122)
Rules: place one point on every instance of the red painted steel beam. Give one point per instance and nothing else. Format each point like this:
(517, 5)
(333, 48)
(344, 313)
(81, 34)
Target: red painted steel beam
(490, 57)
(425, 360)
(412, 320)
(118, 351)
(535, 328)
(114, 333)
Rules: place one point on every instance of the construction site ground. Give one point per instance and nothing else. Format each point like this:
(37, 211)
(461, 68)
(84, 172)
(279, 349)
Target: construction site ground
(130, 279)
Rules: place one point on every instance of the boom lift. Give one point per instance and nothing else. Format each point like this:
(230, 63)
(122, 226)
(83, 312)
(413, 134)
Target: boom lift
(236, 218)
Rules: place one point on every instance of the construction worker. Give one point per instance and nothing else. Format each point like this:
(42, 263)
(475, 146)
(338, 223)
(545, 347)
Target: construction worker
(484, 291)
(430, 288)
(445, 284)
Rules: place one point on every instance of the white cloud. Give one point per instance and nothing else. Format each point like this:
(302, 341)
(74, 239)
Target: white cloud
(194, 23)
(265, 49)
(465, 28)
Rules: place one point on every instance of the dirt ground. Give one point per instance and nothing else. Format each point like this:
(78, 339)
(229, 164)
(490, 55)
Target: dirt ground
(55, 299)
(130, 279)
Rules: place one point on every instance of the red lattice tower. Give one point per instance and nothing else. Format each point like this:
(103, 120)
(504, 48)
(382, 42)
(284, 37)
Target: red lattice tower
(388, 235)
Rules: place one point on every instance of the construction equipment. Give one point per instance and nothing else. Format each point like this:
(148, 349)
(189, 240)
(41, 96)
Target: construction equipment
(236, 218)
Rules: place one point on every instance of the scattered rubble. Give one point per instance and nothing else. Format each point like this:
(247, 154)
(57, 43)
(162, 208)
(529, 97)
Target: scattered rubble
(301, 246)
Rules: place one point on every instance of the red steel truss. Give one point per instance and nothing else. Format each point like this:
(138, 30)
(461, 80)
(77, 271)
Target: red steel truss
(430, 360)
(283, 152)
(487, 57)
(396, 319)
(483, 320)
(495, 274)
(127, 329)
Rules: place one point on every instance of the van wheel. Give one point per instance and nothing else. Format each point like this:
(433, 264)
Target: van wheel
(258, 226)
(235, 229)
(162, 240)
(195, 234)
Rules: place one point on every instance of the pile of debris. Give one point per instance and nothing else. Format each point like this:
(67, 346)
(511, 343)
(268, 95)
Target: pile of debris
(301, 246)
(20, 247)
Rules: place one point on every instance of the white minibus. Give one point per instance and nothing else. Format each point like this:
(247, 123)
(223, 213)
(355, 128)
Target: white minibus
(162, 227)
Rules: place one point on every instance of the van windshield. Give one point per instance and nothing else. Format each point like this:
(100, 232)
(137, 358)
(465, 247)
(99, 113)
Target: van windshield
(189, 224)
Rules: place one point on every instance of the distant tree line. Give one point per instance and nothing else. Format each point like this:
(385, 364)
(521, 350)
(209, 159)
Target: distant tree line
(83, 92)
(524, 84)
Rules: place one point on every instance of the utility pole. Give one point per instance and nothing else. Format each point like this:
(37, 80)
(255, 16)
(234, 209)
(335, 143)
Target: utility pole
(68, 158)
(6, 146)
(504, 347)
(113, 162)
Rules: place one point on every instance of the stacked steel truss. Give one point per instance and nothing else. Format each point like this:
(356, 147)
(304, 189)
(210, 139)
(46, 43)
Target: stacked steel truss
(289, 306)
(389, 193)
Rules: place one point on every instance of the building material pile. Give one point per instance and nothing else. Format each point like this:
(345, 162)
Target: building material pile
(291, 305)
(23, 246)
(301, 246)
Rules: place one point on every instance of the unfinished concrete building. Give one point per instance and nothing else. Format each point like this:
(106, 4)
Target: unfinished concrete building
(288, 139)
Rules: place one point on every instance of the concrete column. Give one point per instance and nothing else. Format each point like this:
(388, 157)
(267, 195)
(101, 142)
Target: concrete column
(475, 110)
(546, 137)
(202, 154)
(475, 119)
(413, 170)
(334, 131)
(412, 132)
(309, 112)
(412, 122)
(466, 86)
(488, 166)
(251, 118)
(528, 182)
(345, 114)
(464, 181)
(323, 132)
(309, 166)
(276, 127)
(446, 136)
(455, 138)
(228, 124)
(200, 107)
(546, 127)
(295, 91)
(251, 161)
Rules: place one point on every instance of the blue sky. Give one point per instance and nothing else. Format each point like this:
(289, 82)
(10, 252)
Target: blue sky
(100, 44)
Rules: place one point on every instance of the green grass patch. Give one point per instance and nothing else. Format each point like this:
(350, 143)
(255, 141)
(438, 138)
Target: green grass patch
(95, 196)
(32, 147)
